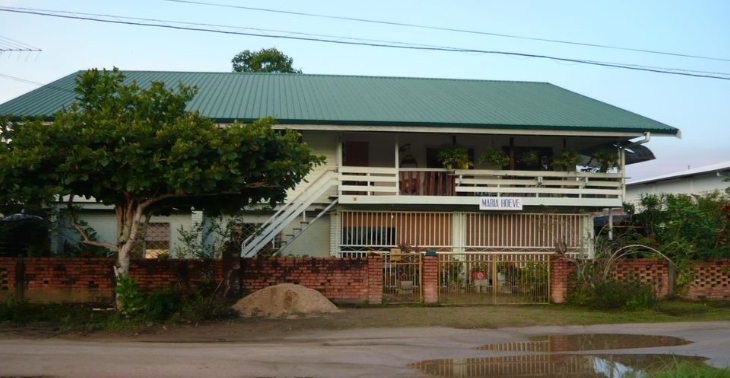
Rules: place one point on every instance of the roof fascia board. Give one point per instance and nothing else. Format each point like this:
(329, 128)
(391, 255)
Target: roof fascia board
(460, 130)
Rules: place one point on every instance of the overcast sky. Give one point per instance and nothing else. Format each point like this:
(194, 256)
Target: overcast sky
(699, 107)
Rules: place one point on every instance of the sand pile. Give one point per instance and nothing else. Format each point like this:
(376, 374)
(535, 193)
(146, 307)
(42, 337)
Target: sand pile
(284, 300)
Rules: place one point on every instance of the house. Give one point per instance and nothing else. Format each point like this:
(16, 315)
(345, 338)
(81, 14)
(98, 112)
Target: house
(701, 180)
(385, 184)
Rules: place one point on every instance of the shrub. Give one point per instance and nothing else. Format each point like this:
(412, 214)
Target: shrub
(595, 292)
(130, 300)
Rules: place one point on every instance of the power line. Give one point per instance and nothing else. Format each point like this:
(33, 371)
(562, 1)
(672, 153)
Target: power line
(165, 21)
(26, 81)
(448, 29)
(383, 45)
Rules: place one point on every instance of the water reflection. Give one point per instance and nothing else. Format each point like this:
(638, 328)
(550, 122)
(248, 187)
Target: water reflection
(582, 342)
(552, 365)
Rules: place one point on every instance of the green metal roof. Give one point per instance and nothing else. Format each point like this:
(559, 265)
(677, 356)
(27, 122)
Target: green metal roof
(377, 101)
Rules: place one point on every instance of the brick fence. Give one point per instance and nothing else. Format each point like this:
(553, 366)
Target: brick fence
(92, 280)
(340, 280)
(710, 279)
(358, 280)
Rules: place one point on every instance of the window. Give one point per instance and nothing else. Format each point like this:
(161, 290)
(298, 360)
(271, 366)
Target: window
(156, 241)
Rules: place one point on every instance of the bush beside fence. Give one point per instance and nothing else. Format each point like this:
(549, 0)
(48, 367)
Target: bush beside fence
(709, 280)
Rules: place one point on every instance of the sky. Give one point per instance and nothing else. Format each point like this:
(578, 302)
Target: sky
(700, 107)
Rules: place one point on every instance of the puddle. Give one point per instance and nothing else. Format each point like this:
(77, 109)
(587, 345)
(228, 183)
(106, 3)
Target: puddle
(553, 365)
(584, 342)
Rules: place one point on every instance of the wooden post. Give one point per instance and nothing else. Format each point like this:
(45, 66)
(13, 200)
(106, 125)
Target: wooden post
(512, 153)
(397, 166)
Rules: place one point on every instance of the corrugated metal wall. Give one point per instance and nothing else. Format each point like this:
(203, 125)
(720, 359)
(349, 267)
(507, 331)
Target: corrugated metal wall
(363, 231)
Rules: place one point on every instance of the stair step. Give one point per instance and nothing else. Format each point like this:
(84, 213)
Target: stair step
(297, 229)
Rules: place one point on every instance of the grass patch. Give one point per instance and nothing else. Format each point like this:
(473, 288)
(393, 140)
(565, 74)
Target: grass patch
(687, 370)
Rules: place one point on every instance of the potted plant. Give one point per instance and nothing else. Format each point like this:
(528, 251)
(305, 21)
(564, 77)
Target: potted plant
(566, 160)
(530, 157)
(494, 158)
(454, 157)
(479, 270)
(607, 158)
(480, 276)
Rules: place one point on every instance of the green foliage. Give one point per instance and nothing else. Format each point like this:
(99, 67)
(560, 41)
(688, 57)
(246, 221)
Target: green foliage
(610, 294)
(14, 309)
(183, 302)
(130, 299)
(607, 158)
(454, 156)
(530, 157)
(678, 369)
(685, 227)
(208, 240)
(566, 160)
(534, 271)
(495, 158)
(138, 149)
(265, 60)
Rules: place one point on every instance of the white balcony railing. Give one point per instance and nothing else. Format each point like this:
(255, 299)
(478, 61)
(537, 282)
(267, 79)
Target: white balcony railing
(371, 184)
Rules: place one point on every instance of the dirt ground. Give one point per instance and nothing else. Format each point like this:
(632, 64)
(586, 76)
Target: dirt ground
(469, 317)
(359, 352)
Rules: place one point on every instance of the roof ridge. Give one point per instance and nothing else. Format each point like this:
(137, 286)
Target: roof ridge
(337, 75)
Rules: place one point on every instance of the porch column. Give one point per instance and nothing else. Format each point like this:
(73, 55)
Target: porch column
(397, 166)
(458, 232)
(339, 150)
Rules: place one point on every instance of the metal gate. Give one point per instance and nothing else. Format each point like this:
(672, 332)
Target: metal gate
(493, 278)
(402, 279)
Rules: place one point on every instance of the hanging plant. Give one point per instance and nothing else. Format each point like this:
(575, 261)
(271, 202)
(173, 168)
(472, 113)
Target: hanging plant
(454, 157)
(530, 157)
(607, 158)
(494, 158)
(566, 160)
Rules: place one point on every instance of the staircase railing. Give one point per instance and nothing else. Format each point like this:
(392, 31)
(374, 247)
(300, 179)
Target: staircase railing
(288, 212)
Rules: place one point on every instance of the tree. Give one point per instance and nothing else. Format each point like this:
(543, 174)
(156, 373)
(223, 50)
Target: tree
(265, 60)
(140, 151)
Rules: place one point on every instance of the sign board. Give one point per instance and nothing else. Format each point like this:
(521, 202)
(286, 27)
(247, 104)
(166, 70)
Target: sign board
(500, 203)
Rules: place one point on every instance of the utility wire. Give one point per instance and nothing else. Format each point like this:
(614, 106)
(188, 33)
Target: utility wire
(166, 22)
(448, 29)
(383, 45)
(26, 81)
(163, 21)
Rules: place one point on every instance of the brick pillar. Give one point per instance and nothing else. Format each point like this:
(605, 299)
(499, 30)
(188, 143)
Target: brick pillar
(560, 269)
(430, 279)
(375, 280)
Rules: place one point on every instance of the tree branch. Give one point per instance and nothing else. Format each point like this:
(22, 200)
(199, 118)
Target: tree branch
(81, 231)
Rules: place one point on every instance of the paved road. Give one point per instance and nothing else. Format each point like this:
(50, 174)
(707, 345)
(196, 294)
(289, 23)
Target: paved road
(349, 353)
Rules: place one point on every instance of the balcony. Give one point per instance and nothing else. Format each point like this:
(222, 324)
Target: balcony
(371, 185)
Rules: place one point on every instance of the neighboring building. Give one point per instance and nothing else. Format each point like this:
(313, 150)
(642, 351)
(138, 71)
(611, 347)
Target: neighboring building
(383, 185)
(701, 180)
